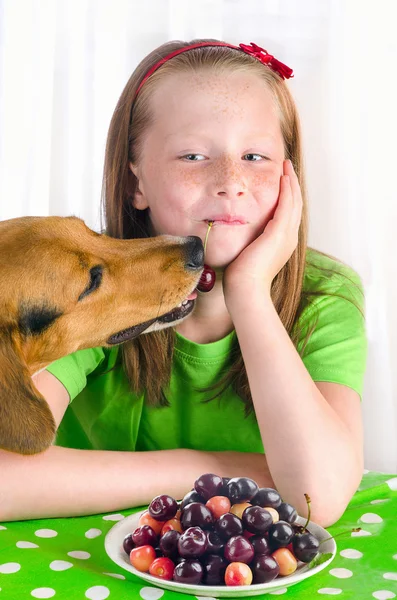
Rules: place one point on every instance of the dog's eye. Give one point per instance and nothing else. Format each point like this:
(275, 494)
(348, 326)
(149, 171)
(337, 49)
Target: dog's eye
(95, 281)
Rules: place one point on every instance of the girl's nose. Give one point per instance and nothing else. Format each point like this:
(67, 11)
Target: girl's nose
(228, 179)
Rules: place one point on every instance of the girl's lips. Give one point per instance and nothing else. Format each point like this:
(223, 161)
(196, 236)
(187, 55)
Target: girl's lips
(226, 222)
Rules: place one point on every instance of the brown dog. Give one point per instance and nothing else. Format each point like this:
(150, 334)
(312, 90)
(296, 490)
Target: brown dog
(63, 288)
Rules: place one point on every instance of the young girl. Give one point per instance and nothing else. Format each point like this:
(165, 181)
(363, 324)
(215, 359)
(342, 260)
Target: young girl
(271, 359)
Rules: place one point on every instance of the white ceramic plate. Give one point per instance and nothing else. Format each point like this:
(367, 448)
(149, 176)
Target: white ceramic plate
(114, 548)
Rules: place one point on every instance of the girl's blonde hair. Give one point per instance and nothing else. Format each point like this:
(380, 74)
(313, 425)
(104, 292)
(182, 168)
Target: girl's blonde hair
(148, 359)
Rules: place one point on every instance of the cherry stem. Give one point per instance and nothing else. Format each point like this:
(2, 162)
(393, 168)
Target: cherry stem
(308, 510)
(210, 223)
(355, 530)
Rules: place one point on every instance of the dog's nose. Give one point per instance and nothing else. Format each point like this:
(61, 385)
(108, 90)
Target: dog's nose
(194, 253)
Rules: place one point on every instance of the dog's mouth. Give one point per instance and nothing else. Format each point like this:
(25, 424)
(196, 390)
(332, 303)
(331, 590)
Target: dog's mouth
(166, 320)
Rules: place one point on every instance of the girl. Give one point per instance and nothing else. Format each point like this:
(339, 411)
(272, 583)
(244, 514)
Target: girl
(271, 359)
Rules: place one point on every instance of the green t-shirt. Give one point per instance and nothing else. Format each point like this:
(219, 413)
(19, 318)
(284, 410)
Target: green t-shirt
(105, 415)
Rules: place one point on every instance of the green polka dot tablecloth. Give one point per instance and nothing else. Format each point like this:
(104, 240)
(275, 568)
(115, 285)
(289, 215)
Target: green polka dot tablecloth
(65, 558)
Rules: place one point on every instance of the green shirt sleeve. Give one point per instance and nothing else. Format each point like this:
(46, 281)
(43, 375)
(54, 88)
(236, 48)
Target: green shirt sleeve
(337, 349)
(72, 370)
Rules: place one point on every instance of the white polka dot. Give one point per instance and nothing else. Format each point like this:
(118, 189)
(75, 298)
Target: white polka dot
(392, 483)
(395, 556)
(92, 533)
(383, 595)
(9, 568)
(151, 593)
(371, 518)
(379, 501)
(205, 598)
(365, 471)
(330, 591)
(117, 517)
(2, 527)
(26, 545)
(279, 592)
(43, 593)
(60, 565)
(79, 554)
(115, 575)
(46, 533)
(341, 573)
(392, 576)
(97, 592)
(361, 533)
(350, 553)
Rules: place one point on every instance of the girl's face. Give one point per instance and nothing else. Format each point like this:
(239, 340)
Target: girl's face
(214, 152)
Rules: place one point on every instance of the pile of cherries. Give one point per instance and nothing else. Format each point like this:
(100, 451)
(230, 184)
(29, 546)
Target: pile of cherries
(224, 532)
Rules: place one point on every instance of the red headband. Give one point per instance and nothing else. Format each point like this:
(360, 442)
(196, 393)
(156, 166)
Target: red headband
(254, 50)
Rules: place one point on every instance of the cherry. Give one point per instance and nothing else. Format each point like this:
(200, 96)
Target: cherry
(163, 508)
(189, 571)
(218, 505)
(196, 514)
(144, 535)
(238, 573)
(162, 567)
(142, 557)
(267, 497)
(305, 546)
(192, 543)
(241, 489)
(214, 569)
(239, 549)
(169, 543)
(280, 535)
(265, 568)
(128, 543)
(286, 561)
(208, 485)
(191, 496)
(287, 512)
(207, 279)
(260, 544)
(228, 525)
(257, 519)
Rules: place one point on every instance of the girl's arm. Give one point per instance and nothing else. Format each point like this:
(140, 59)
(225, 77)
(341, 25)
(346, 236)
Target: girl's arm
(311, 446)
(64, 482)
(67, 482)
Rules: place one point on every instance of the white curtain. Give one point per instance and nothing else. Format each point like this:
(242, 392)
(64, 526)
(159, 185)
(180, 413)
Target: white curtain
(63, 65)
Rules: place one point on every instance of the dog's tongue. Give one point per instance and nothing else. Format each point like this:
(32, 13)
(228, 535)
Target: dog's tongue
(192, 296)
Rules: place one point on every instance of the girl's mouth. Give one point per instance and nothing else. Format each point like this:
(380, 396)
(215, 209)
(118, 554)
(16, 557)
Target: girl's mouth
(226, 220)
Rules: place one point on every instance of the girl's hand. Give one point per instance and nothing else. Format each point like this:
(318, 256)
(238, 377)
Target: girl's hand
(253, 271)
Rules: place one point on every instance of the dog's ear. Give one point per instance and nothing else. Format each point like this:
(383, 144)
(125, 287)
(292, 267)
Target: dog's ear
(27, 425)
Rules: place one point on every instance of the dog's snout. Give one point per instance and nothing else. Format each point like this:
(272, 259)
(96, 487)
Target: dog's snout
(194, 256)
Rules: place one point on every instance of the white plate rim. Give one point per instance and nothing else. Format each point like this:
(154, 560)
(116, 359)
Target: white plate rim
(113, 548)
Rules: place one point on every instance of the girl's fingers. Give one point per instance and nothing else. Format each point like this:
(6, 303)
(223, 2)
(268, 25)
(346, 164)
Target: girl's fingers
(296, 193)
(284, 206)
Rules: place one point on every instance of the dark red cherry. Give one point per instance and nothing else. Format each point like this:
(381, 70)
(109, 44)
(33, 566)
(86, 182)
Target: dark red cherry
(163, 507)
(207, 279)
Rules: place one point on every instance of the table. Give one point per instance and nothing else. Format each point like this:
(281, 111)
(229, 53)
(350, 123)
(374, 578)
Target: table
(65, 558)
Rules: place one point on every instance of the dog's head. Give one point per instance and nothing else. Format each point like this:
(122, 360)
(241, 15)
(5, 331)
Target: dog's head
(64, 287)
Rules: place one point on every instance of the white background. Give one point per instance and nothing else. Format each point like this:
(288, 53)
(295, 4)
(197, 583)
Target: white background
(63, 65)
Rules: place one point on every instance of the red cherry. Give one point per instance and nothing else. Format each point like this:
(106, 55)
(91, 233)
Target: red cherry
(162, 567)
(207, 280)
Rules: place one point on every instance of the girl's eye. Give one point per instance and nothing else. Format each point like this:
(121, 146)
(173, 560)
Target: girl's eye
(194, 157)
(254, 157)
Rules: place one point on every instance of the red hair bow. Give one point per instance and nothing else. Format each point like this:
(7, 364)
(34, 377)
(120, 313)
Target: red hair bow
(267, 59)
